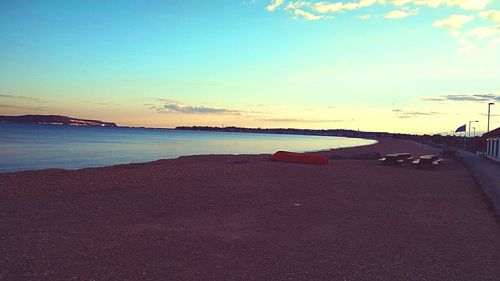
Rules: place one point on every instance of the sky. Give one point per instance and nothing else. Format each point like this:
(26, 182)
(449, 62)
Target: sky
(408, 66)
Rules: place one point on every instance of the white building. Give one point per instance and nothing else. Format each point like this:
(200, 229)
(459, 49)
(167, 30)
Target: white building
(493, 145)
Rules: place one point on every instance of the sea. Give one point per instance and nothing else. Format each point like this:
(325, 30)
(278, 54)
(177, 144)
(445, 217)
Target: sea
(34, 147)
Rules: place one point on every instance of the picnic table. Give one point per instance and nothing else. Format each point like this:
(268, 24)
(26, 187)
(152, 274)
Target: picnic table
(395, 158)
(427, 161)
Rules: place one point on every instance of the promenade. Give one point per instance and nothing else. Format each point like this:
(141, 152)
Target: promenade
(487, 174)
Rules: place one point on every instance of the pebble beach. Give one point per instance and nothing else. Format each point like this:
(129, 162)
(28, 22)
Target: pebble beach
(244, 217)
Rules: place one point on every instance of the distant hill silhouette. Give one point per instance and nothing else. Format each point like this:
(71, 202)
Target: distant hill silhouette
(54, 119)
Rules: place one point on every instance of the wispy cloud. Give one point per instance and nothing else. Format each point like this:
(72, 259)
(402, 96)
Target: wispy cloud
(25, 107)
(399, 14)
(306, 15)
(274, 5)
(493, 15)
(453, 22)
(365, 17)
(483, 32)
(299, 120)
(463, 4)
(8, 106)
(465, 97)
(333, 7)
(491, 115)
(400, 113)
(326, 7)
(468, 40)
(174, 106)
(100, 103)
(188, 109)
(168, 100)
(22, 98)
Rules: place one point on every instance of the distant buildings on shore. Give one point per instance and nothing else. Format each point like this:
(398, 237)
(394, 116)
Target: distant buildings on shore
(292, 131)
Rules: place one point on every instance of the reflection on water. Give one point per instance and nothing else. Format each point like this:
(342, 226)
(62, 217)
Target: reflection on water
(32, 147)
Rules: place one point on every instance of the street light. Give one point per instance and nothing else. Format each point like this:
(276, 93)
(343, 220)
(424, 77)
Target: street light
(489, 105)
(474, 135)
(466, 142)
(469, 125)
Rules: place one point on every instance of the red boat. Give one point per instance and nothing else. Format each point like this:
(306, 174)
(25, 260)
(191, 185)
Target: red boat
(286, 156)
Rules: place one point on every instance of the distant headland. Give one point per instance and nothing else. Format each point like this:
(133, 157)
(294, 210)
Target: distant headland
(54, 120)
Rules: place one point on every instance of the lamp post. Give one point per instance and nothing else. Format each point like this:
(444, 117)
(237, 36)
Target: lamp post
(469, 125)
(489, 106)
(474, 135)
(469, 132)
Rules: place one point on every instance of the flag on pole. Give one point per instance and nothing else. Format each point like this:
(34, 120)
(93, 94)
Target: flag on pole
(460, 129)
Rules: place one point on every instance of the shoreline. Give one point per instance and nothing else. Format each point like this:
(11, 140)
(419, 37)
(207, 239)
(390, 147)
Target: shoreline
(243, 217)
(175, 157)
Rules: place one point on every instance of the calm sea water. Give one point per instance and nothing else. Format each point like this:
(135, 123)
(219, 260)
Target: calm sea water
(33, 147)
